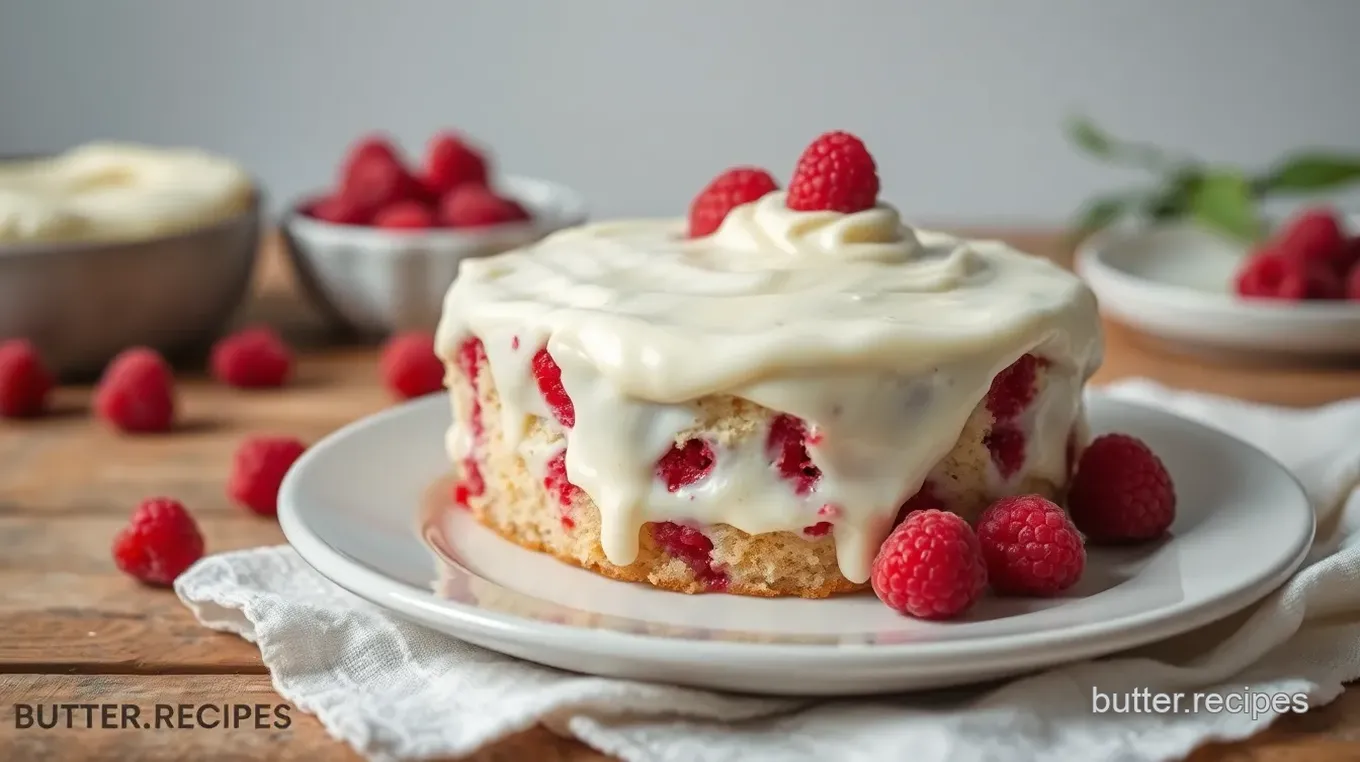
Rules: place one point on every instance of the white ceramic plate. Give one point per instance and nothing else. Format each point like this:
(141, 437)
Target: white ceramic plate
(1174, 284)
(352, 507)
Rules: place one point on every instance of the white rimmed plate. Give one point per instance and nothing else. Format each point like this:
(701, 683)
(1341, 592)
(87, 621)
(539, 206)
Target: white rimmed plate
(1174, 284)
(352, 507)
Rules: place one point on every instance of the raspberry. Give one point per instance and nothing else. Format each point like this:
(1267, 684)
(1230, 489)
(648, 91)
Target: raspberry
(1013, 388)
(370, 148)
(474, 206)
(137, 392)
(724, 193)
(930, 567)
(374, 177)
(1006, 443)
(685, 464)
(1350, 256)
(25, 381)
(1353, 284)
(409, 366)
(471, 357)
(159, 543)
(549, 378)
(1268, 274)
(555, 479)
(1311, 280)
(450, 162)
(1314, 236)
(693, 548)
(820, 529)
(1260, 275)
(404, 215)
(258, 469)
(472, 484)
(835, 173)
(339, 210)
(1030, 546)
(787, 445)
(1122, 492)
(253, 358)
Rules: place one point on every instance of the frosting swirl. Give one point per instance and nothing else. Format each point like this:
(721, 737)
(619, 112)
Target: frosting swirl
(118, 192)
(768, 227)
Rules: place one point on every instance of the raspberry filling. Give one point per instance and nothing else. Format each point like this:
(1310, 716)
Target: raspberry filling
(685, 464)
(828, 511)
(819, 529)
(1013, 389)
(1006, 443)
(691, 546)
(556, 482)
(471, 356)
(787, 446)
(1011, 394)
(549, 378)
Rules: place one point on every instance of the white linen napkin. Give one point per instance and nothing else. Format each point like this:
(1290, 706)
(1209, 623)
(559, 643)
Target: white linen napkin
(395, 691)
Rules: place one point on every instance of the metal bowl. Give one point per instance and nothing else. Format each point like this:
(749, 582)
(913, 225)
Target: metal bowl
(373, 281)
(81, 303)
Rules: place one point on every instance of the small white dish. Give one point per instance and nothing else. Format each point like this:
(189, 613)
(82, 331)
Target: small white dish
(1174, 284)
(352, 507)
(376, 281)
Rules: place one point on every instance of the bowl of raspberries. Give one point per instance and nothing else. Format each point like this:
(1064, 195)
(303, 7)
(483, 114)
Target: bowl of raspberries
(1294, 295)
(377, 250)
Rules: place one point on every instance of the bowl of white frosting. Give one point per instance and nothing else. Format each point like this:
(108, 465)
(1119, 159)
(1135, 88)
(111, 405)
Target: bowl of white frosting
(111, 245)
(374, 281)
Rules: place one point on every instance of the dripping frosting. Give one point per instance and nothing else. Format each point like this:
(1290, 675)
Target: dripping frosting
(881, 337)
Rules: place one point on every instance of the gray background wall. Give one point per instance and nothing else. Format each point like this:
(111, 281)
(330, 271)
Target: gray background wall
(639, 102)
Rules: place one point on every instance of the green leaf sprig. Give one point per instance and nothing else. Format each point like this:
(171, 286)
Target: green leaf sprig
(1222, 198)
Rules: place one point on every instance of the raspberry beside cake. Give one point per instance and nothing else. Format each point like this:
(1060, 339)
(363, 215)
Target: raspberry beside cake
(750, 409)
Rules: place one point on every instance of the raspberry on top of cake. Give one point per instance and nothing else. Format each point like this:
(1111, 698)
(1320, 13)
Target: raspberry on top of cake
(797, 361)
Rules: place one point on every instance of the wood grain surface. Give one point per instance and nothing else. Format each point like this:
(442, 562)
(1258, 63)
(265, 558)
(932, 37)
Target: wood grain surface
(75, 631)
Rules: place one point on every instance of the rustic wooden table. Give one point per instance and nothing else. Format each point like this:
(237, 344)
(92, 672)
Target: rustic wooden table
(74, 630)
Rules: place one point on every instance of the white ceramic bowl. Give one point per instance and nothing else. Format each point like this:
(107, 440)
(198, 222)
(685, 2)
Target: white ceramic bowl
(1174, 284)
(376, 281)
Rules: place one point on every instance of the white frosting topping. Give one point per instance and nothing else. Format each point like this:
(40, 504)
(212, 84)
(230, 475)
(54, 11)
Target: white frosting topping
(113, 191)
(882, 338)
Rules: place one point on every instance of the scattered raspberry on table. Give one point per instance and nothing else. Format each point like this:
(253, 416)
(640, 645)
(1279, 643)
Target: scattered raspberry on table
(136, 394)
(251, 359)
(1122, 492)
(25, 382)
(1030, 546)
(409, 366)
(930, 567)
(159, 543)
(257, 471)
